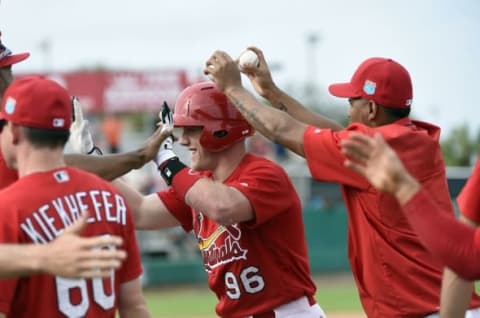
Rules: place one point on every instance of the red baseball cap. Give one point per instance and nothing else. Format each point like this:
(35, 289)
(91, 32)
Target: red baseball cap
(37, 102)
(7, 58)
(379, 79)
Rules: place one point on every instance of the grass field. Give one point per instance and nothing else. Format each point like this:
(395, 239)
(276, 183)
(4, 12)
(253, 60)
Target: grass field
(336, 295)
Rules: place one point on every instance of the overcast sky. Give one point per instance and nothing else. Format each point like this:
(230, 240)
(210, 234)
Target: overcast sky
(436, 40)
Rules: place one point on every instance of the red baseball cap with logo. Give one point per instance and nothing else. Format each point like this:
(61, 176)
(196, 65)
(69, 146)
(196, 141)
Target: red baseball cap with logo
(37, 102)
(7, 58)
(379, 79)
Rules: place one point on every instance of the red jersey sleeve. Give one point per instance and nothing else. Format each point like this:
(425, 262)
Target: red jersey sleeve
(457, 245)
(469, 199)
(8, 234)
(267, 188)
(324, 158)
(178, 208)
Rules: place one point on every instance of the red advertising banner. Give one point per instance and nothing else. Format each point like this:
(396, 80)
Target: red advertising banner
(122, 91)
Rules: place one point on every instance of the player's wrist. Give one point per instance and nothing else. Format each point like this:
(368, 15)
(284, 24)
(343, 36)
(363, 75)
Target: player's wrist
(164, 156)
(232, 89)
(165, 152)
(35, 258)
(177, 175)
(271, 92)
(184, 180)
(169, 168)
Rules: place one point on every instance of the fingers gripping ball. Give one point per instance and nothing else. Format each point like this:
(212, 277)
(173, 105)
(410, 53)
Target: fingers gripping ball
(248, 59)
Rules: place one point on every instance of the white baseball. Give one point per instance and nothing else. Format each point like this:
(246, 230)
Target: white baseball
(248, 59)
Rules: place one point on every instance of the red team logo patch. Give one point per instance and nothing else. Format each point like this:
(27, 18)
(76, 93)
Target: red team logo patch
(219, 244)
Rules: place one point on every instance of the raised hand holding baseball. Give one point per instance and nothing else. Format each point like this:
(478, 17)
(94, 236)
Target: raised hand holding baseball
(252, 63)
(223, 70)
(248, 59)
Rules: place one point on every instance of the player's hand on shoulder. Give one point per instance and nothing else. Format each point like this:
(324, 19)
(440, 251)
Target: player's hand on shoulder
(71, 255)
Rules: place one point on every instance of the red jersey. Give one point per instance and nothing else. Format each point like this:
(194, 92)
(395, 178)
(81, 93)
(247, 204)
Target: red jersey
(253, 266)
(395, 275)
(469, 199)
(7, 175)
(36, 209)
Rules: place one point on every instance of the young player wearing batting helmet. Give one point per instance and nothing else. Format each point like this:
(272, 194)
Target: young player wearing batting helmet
(395, 274)
(36, 114)
(243, 209)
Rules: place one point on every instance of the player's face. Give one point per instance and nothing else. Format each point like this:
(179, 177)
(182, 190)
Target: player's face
(7, 144)
(358, 112)
(201, 159)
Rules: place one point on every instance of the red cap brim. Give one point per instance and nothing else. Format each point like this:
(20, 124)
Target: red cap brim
(343, 90)
(13, 59)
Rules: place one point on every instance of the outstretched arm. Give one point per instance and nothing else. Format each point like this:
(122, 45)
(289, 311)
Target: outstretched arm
(263, 83)
(376, 161)
(108, 167)
(148, 212)
(69, 255)
(274, 124)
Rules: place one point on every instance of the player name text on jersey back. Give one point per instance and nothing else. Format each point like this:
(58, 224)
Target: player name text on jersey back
(102, 205)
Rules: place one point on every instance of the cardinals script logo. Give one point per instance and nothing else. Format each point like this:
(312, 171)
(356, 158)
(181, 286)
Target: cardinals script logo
(219, 244)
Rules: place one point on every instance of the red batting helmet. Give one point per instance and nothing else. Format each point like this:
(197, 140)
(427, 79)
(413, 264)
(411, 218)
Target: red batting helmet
(204, 105)
(7, 58)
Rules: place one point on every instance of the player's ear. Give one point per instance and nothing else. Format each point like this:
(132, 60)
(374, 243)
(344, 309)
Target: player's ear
(16, 132)
(372, 110)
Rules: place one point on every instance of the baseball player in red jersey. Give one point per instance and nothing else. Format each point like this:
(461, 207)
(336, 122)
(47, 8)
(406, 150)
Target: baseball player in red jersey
(49, 196)
(243, 210)
(15, 260)
(455, 244)
(395, 275)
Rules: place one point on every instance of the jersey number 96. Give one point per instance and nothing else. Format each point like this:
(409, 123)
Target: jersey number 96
(249, 278)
